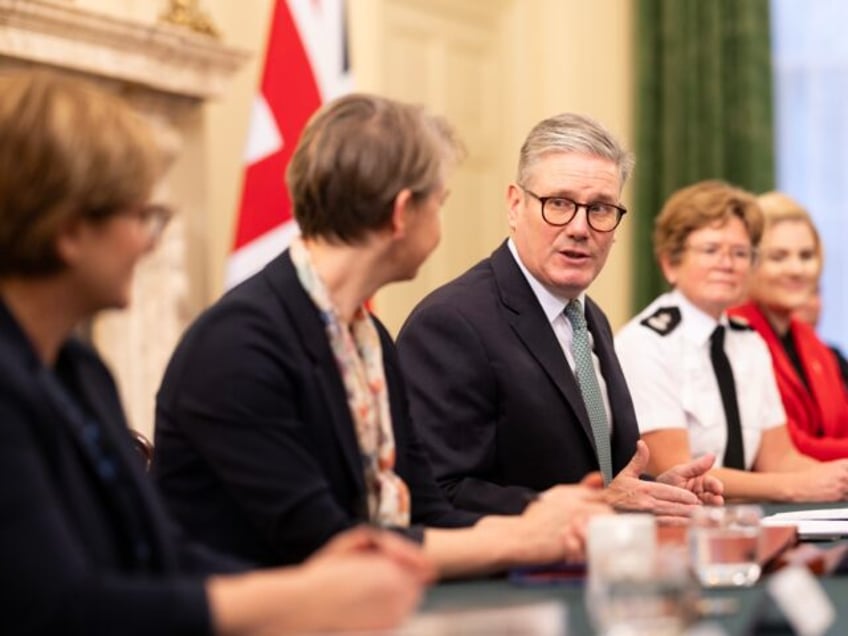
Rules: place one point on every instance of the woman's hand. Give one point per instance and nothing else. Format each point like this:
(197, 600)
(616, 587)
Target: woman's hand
(364, 579)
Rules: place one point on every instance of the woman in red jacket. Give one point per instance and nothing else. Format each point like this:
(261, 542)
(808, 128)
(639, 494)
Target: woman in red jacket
(807, 372)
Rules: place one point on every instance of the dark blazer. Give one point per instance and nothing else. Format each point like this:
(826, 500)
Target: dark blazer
(256, 451)
(493, 397)
(86, 546)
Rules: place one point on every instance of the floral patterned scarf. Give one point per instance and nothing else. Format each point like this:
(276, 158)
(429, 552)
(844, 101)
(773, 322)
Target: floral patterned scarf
(360, 360)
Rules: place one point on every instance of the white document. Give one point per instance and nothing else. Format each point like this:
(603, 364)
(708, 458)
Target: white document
(544, 618)
(816, 513)
(818, 523)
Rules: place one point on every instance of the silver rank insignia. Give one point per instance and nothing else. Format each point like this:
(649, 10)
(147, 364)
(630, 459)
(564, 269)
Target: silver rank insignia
(663, 320)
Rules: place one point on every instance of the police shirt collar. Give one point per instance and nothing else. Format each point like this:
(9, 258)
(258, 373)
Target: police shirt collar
(697, 325)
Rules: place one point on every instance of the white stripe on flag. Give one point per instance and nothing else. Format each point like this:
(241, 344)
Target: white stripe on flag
(263, 138)
(321, 27)
(252, 257)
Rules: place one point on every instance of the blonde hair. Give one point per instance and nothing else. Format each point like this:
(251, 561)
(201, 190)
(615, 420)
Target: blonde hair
(779, 207)
(701, 205)
(68, 151)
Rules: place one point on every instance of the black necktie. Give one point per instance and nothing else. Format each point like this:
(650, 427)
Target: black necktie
(734, 453)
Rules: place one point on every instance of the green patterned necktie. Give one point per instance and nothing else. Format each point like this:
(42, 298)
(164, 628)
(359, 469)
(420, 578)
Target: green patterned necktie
(589, 387)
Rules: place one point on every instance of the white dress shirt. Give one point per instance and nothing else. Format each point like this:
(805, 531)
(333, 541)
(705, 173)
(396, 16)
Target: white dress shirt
(554, 308)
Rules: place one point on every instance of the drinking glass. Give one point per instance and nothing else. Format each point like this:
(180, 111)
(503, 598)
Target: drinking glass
(634, 586)
(723, 543)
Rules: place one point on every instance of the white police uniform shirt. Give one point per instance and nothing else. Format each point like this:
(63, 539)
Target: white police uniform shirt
(665, 354)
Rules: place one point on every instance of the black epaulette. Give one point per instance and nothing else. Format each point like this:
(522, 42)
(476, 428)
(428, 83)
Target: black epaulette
(738, 323)
(664, 320)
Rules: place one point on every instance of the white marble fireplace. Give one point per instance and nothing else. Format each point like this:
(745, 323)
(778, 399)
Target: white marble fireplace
(166, 71)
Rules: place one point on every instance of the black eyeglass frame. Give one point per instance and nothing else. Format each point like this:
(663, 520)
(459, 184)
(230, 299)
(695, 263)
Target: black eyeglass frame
(577, 205)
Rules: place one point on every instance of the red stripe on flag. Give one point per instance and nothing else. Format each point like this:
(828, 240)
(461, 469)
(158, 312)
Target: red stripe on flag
(290, 89)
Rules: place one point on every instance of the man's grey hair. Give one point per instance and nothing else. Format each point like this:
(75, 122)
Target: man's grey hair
(570, 132)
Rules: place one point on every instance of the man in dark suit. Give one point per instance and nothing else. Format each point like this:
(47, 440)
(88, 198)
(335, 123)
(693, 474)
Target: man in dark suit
(283, 419)
(513, 379)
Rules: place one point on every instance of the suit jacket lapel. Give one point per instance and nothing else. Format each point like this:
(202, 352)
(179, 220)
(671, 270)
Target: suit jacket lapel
(55, 414)
(605, 350)
(307, 321)
(527, 319)
(623, 424)
(99, 396)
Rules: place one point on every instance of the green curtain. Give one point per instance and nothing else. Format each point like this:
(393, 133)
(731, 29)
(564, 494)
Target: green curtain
(703, 109)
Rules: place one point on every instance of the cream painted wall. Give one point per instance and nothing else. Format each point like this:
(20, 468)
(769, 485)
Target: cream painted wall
(495, 67)
(244, 24)
(544, 57)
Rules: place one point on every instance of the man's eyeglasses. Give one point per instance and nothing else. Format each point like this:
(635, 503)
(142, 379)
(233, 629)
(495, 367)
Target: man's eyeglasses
(715, 252)
(559, 211)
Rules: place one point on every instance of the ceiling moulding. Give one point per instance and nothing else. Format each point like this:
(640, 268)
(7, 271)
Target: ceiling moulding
(163, 57)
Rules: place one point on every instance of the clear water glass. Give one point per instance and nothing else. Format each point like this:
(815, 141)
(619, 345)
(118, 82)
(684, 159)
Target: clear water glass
(635, 587)
(724, 544)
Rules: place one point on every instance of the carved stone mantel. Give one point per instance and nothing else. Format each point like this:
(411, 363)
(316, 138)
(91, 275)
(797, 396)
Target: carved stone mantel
(161, 56)
(166, 72)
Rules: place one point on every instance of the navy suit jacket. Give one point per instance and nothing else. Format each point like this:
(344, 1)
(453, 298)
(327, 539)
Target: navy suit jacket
(493, 397)
(256, 451)
(81, 552)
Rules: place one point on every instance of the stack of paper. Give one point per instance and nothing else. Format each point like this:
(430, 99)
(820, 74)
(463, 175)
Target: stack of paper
(545, 618)
(820, 523)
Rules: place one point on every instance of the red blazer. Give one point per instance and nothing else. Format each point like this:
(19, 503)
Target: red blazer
(817, 418)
